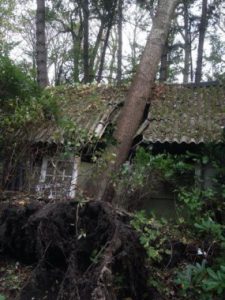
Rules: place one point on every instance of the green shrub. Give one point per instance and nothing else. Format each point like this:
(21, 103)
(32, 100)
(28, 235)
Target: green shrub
(201, 282)
(211, 229)
(166, 167)
(151, 235)
(14, 84)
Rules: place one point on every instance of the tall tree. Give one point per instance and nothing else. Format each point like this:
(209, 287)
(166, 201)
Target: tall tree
(85, 8)
(187, 43)
(120, 40)
(41, 50)
(163, 71)
(202, 31)
(111, 18)
(139, 92)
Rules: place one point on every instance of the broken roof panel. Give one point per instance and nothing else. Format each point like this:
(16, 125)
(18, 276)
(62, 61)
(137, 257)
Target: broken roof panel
(89, 107)
(181, 114)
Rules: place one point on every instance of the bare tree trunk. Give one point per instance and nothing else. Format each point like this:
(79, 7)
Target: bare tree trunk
(76, 55)
(85, 5)
(139, 93)
(120, 41)
(202, 30)
(187, 45)
(95, 52)
(77, 40)
(133, 45)
(41, 50)
(141, 87)
(102, 58)
(113, 51)
(105, 45)
(163, 72)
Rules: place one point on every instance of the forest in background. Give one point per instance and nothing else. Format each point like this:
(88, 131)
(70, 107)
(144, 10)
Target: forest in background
(95, 40)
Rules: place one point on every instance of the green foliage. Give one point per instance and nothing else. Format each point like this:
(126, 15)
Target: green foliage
(168, 167)
(7, 8)
(2, 297)
(201, 282)
(191, 203)
(14, 84)
(216, 58)
(22, 114)
(151, 237)
(215, 281)
(49, 105)
(190, 280)
(210, 228)
(75, 137)
(18, 101)
(191, 199)
(199, 210)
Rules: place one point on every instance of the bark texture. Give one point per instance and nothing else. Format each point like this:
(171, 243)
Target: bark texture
(120, 40)
(85, 5)
(41, 50)
(202, 30)
(163, 72)
(94, 52)
(187, 44)
(111, 17)
(139, 93)
(140, 90)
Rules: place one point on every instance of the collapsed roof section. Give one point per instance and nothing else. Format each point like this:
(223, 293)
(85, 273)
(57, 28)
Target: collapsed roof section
(90, 108)
(180, 114)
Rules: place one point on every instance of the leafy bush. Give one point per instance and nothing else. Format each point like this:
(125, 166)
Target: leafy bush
(200, 225)
(215, 281)
(151, 236)
(14, 84)
(202, 282)
(166, 167)
(211, 229)
(190, 281)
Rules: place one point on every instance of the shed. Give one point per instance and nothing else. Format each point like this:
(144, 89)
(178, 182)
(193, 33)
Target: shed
(178, 117)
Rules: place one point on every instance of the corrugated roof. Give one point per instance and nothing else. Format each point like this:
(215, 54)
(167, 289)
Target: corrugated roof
(89, 107)
(186, 114)
(181, 114)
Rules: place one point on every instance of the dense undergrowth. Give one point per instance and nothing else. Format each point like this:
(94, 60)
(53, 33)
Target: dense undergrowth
(186, 253)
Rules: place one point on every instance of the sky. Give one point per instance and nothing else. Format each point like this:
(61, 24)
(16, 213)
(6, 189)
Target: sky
(135, 16)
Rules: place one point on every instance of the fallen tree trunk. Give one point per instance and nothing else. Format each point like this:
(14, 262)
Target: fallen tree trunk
(81, 251)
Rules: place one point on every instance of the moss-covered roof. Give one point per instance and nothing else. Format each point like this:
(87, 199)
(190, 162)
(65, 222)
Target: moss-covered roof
(177, 113)
(90, 108)
(186, 114)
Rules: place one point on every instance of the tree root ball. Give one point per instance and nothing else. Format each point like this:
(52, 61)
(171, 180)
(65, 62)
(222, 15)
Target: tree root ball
(81, 251)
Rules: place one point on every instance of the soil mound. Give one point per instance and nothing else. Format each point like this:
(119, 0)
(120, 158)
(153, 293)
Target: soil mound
(81, 251)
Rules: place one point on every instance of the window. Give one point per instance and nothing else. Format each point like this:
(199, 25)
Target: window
(58, 178)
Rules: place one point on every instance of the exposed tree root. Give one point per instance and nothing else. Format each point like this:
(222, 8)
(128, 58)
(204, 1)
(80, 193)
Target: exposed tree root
(81, 252)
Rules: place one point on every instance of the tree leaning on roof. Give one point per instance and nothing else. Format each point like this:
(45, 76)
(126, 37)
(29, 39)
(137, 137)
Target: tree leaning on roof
(139, 92)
